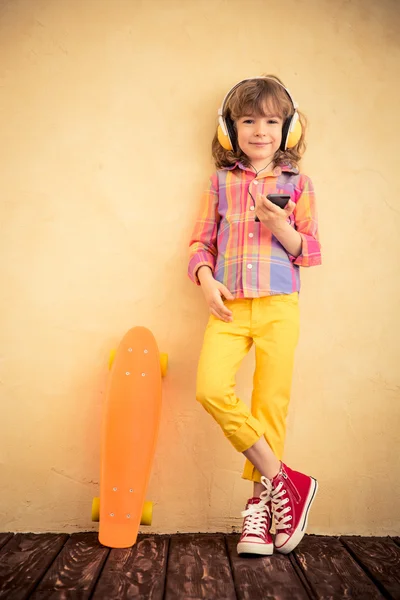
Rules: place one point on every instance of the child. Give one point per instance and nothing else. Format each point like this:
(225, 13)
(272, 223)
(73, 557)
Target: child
(245, 252)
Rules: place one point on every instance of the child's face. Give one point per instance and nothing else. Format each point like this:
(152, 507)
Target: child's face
(259, 137)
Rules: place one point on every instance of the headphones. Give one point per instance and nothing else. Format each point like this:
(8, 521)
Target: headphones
(291, 129)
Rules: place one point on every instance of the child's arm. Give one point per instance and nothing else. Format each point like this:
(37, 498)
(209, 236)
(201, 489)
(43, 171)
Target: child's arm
(203, 243)
(302, 242)
(203, 254)
(289, 238)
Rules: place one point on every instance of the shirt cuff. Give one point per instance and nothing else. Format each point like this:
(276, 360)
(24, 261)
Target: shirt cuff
(200, 259)
(310, 252)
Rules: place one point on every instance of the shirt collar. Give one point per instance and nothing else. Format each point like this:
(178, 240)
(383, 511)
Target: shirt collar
(276, 171)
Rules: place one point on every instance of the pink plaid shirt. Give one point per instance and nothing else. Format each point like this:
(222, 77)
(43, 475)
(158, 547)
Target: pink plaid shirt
(242, 253)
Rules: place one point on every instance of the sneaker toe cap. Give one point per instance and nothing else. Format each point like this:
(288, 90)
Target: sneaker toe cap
(281, 539)
(252, 538)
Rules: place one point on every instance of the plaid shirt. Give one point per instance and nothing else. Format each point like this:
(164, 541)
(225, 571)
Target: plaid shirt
(242, 253)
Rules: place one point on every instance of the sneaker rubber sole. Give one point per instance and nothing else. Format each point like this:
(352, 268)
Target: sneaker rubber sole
(255, 548)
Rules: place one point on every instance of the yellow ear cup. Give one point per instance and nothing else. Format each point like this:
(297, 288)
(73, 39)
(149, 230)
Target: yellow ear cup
(223, 139)
(294, 135)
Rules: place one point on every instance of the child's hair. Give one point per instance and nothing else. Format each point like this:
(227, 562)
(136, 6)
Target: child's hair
(251, 97)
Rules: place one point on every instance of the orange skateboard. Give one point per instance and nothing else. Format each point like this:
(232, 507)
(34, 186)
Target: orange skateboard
(128, 440)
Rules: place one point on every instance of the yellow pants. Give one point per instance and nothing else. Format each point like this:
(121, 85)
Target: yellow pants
(272, 323)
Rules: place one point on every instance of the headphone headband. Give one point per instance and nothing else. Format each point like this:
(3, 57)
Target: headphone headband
(230, 92)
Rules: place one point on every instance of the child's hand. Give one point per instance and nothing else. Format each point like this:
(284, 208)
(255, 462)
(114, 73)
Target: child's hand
(213, 291)
(271, 215)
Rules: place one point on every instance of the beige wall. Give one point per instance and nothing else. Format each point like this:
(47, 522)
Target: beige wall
(107, 110)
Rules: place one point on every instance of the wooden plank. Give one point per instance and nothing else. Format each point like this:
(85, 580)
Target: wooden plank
(24, 561)
(264, 577)
(198, 568)
(75, 571)
(4, 538)
(380, 557)
(331, 571)
(137, 572)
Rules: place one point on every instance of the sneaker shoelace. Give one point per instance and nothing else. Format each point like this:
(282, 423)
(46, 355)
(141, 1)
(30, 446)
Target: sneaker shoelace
(279, 508)
(257, 516)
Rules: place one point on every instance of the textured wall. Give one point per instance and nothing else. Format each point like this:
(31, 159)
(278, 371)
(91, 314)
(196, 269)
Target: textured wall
(107, 110)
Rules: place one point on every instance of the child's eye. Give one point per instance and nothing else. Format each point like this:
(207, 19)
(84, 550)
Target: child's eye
(248, 121)
(273, 121)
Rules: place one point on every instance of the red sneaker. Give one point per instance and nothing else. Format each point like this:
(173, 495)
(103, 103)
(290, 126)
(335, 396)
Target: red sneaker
(255, 538)
(292, 495)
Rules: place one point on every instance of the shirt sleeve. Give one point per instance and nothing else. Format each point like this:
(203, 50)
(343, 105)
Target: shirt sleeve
(203, 243)
(306, 223)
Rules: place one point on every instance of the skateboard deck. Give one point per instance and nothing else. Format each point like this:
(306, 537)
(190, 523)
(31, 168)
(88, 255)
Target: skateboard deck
(129, 434)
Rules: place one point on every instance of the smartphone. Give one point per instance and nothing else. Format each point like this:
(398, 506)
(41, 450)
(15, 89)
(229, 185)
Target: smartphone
(279, 199)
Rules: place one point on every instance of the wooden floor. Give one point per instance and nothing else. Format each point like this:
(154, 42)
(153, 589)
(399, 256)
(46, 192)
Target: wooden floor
(195, 566)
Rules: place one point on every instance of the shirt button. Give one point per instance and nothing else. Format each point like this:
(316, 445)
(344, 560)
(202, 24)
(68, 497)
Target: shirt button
(251, 234)
(251, 207)
(249, 266)
(255, 182)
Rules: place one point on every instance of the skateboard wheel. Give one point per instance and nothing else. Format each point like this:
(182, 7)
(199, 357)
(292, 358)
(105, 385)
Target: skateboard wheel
(111, 358)
(96, 509)
(164, 363)
(147, 513)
